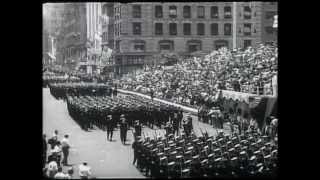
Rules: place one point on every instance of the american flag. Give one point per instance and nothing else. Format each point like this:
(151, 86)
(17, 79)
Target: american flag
(254, 101)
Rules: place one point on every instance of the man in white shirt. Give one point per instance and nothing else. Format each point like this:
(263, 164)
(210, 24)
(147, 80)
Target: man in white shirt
(84, 171)
(60, 174)
(52, 168)
(65, 149)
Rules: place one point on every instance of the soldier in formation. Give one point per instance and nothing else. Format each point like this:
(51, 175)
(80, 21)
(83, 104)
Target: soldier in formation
(236, 155)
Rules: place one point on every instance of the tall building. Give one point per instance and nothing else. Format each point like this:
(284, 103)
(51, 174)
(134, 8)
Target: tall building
(142, 30)
(82, 36)
(269, 33)
(52, 22)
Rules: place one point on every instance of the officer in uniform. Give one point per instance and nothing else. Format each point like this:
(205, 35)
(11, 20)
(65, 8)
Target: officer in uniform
(110, 126)
(123, 129)
(137, 128)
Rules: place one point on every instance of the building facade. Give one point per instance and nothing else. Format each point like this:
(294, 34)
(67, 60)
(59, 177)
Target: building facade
(81, 37)
(142, 30)
(269, 33)
(52, 22)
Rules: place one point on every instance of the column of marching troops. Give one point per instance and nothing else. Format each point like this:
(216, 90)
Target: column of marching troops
(245, 155)
(91, 111)
(184, 155)
(61, 90)
(46, 80)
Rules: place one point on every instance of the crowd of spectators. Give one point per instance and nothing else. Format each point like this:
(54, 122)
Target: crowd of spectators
(251, 71)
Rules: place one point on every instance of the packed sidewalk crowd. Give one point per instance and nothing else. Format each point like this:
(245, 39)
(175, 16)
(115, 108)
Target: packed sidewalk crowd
(189, 81)
(55, 158)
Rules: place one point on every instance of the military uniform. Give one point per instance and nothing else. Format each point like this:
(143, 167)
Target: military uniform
(123, 129)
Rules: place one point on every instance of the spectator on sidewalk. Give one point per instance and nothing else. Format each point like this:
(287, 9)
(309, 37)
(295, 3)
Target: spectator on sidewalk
(52, 169)
(65, 149)
(84, 171)
(60, 174)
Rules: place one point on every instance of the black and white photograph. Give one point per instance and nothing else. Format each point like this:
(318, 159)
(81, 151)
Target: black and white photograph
(159, 90)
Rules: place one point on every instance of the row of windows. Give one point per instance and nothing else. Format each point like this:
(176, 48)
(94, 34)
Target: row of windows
(136, 12)
(191, 46)
(158, 29)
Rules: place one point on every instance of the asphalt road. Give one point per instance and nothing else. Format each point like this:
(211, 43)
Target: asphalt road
(107, 159)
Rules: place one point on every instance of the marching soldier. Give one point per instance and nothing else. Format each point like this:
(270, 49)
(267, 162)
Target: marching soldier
(123, 129)
(137, 128)
(110, 126)
(168, 128)
(175, 126)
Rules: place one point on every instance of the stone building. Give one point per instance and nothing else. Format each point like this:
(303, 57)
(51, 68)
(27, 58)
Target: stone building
(142, 30)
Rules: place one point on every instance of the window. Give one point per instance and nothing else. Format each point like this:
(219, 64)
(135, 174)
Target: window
(118, 45)
(200, 28)
(139, 47)
(173, 29)
(214, 29)
(227, 29)
(247, 12)
(214, 12)
(201, 12)
(158, 29)
(166, 45)
(227, 12)
(158, 12)
(104, 9)
(172, 11)
(186, 11)
(247, 29)
(246, 43)
(136, 28)
(270, 14)
(221, 43)
(186, 29)
(269, 29)
(136, 11)
(194, 45)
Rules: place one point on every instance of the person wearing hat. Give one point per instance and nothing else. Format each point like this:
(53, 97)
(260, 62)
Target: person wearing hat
(110, 127)
(185, 127)
(136, 146)
(137, 128)
(123, 129)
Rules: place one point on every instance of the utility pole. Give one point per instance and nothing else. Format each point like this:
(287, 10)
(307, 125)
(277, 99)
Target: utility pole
(234, 27)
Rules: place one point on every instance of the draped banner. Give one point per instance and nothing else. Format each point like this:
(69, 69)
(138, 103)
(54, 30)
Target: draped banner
(260, 107)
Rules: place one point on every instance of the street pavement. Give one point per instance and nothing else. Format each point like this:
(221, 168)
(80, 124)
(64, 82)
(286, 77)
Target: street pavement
(107, 159)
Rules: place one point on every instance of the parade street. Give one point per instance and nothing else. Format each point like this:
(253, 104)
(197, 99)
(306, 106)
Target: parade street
(107, 159)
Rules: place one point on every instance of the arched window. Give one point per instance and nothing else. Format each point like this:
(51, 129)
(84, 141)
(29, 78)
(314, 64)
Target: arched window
(186, 11)
(246, 12)
(227, 29)
(104, 9)
(214, 12)
(201, 29)
(158, 11)
(227, 12)
(172, 11)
